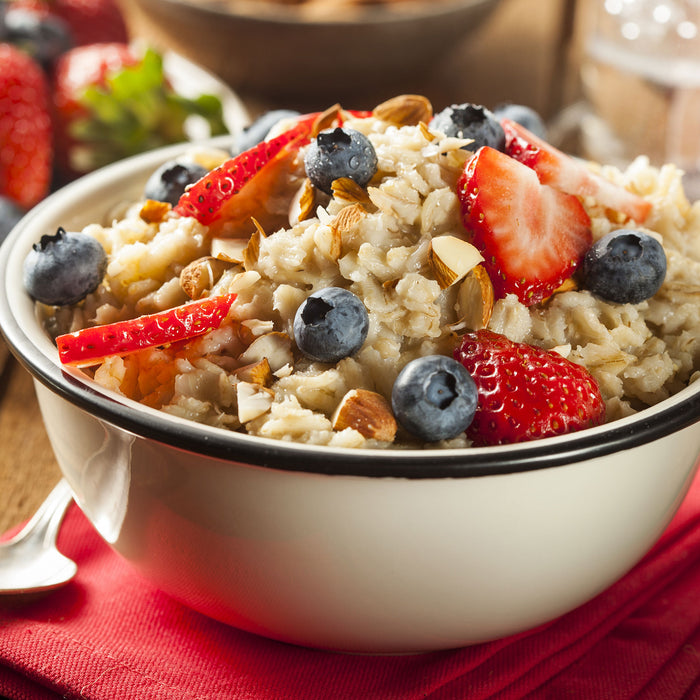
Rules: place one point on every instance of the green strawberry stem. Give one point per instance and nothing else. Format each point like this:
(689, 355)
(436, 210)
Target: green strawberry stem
(135, 111)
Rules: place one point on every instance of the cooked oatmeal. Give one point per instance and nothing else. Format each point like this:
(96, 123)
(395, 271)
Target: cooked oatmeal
(248, 375)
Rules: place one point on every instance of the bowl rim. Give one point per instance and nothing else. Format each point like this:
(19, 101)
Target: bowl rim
(292, 15)
(36, 353)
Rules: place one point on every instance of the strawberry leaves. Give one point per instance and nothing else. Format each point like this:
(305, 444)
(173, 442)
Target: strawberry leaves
(126, 109)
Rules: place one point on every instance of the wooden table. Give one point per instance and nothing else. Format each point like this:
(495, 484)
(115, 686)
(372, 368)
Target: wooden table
(515, 56)
(28, 469)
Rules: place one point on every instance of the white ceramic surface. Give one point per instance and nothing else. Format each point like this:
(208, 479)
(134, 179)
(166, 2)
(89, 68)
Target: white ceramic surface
(352, 550)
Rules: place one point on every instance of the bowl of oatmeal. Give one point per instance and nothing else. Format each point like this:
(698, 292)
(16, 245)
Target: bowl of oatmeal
(306, 52)
(293, 493)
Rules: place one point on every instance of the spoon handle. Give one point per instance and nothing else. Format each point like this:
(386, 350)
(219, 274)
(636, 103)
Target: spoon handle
(46, 522)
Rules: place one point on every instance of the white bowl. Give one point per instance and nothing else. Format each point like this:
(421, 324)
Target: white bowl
(355, 550)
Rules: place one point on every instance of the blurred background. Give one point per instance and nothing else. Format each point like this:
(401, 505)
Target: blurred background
(478, 51)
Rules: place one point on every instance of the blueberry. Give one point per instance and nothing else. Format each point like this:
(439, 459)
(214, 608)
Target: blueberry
(625, 266)
(44, 38)
(434, 398)
(469, 121)
(523, 115)
(64, 268)
(256, 132)
(331, 324)
(168, 183)
(340, 152)
(10, 214)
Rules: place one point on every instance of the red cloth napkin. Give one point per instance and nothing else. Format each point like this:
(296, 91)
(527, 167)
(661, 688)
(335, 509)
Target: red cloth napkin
(109, 635)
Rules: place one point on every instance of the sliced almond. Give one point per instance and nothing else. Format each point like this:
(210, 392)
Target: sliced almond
(245, 334)
(257, 326)
(348, 217)
(275, 346)
(229, 249)
(568, 285)
(563, 350)
(328, 242)
(253, 400)
(425, 130)
(256, 373)
(303, 204)
(329, 239)
(405, 110)
(284, 371)
(475, 299)
(201, 275)
(252, 250)
(452, 259)
(347, 190)
(258, 227)
(326, 119)
(238, 282)
(153, 212)
(367, 412)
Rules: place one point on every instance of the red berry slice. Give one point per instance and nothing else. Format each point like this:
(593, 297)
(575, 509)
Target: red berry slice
(249, 184)
(555, 168)
(532, 236)
(90, 346)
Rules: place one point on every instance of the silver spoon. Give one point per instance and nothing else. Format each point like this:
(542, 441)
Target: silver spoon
(30, 561)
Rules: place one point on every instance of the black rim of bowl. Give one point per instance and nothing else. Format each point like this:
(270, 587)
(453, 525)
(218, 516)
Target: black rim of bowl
(667, 417)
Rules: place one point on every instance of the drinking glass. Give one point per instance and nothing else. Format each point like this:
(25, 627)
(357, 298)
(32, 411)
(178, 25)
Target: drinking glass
(640, 76)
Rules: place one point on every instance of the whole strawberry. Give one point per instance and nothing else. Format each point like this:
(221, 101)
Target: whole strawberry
(526, 393)
(26, 152)
(89, 21)
(92, 21)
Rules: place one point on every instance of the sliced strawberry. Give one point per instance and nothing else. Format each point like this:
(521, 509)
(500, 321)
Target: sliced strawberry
(214, 197)
(524, 392)
(555, 168)
(90, 346)
(532, 236)
(357, 114)
(258, 182)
